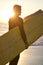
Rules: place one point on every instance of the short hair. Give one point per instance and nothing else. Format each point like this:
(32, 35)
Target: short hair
(17, 7)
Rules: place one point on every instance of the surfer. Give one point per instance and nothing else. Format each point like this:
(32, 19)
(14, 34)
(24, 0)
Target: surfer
(16, 20)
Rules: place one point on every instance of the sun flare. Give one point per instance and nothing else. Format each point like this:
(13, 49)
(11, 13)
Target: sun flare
(7, 13)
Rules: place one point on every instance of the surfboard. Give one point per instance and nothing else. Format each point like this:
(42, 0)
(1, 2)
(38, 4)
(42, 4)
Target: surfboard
(11, 43)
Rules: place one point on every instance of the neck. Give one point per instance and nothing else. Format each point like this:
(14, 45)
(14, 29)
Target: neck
(16, 16)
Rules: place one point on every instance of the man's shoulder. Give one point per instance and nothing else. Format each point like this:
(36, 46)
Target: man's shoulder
(11, 18)
(21, 19)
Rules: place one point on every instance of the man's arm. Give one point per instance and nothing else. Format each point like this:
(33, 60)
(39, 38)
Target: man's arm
(23, 35)
(10, 24)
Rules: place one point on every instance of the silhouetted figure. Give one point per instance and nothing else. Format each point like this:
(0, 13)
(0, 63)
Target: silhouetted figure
(17, 21)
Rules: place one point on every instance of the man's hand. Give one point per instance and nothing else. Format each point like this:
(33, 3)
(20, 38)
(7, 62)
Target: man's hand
(26, 45)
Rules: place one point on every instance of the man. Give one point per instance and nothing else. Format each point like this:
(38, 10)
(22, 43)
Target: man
(17, 21)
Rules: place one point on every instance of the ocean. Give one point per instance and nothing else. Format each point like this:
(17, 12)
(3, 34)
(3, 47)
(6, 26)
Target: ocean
(32, 56)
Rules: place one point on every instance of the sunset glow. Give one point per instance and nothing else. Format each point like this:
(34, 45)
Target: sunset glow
(28, 7)
(6, 14)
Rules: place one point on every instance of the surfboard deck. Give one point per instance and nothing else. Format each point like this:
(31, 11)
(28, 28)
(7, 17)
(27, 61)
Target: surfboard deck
(11, 46)
(11, 43)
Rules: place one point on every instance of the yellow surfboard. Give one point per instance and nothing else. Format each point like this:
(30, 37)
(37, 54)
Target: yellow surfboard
(11, 43)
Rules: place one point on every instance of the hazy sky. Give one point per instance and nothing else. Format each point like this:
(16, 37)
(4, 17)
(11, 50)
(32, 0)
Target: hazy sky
(28, 7)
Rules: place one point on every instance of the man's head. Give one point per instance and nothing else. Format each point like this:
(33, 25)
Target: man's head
(17, 10)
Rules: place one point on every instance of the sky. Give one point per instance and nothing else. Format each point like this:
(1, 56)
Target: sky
(28, 7)
(6, 10)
